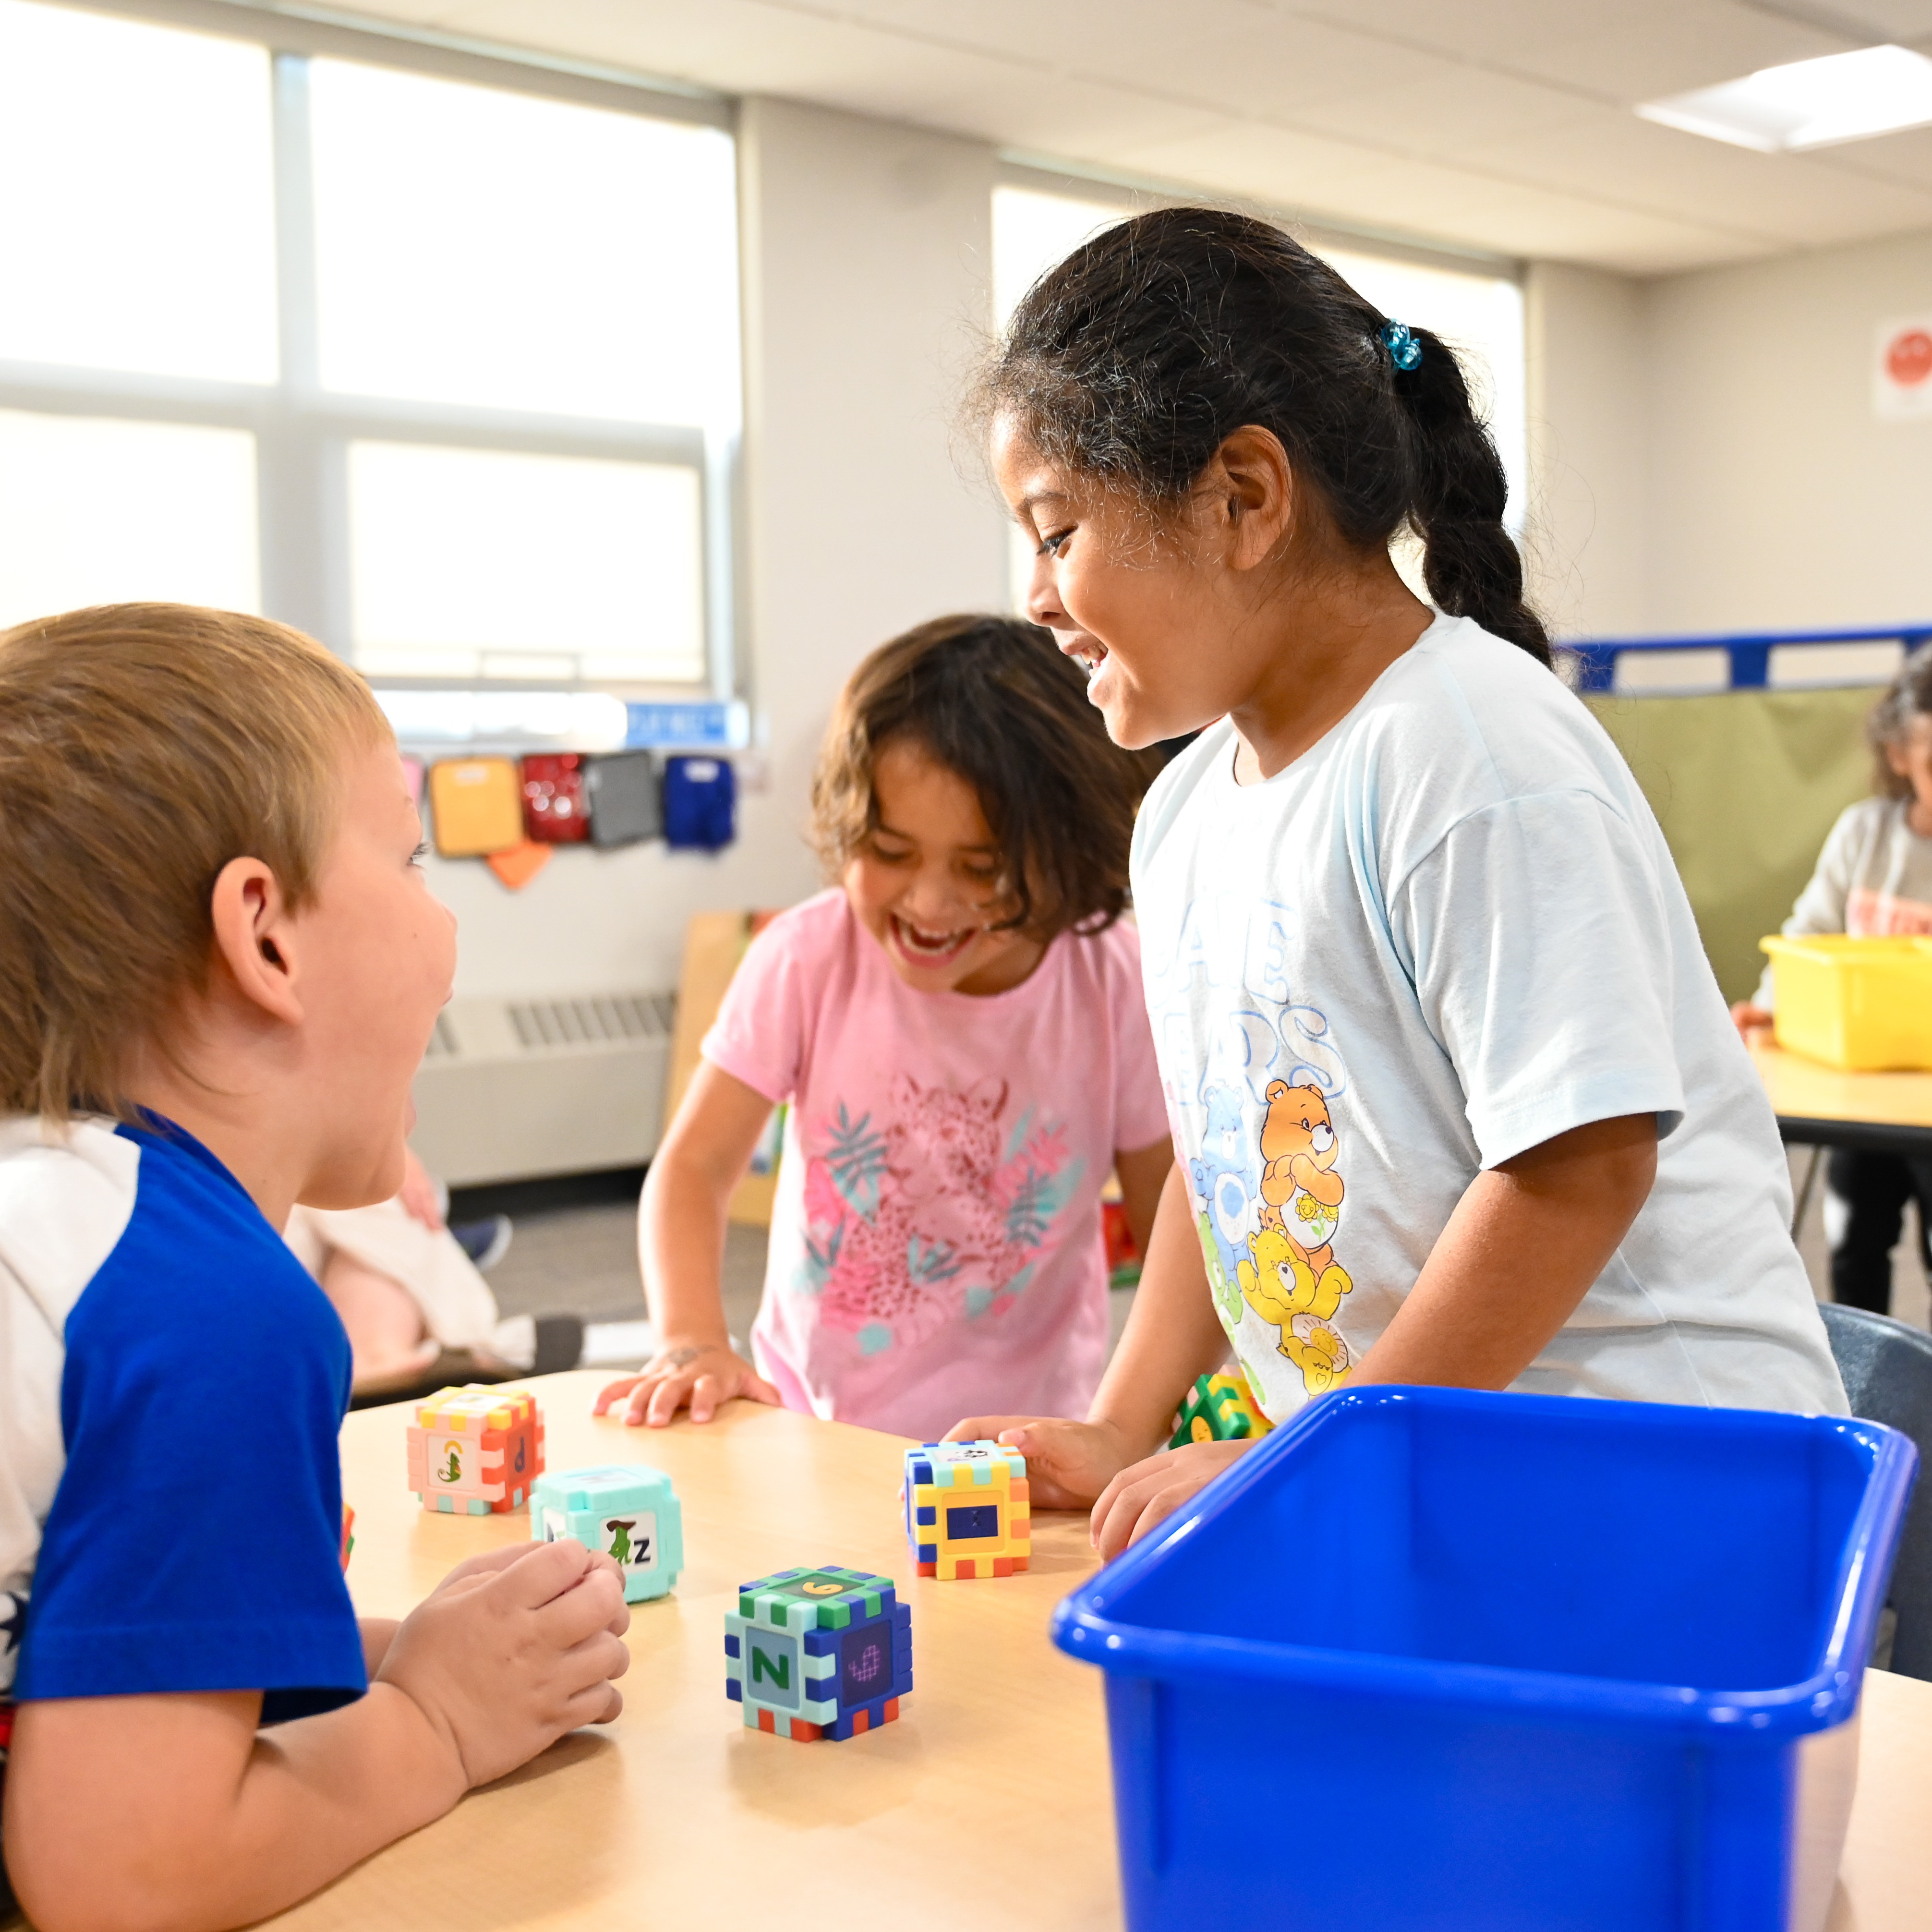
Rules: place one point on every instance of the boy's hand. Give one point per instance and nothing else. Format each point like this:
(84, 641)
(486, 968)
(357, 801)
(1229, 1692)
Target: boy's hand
(1147, 1493)
(1068, 1463)
(701, 1374)
(1748, 1018)
(513, 1649)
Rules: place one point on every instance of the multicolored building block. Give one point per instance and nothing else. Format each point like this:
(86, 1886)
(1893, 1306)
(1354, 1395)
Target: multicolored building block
(1219, 1409)
(628, 1510)
(476, 1451)
(967, 1511)
(824, 1653)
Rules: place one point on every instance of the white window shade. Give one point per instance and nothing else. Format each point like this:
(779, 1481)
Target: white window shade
(94, 511)
(1032, 230)
(493, 564)
(475, 246)
(136, 197)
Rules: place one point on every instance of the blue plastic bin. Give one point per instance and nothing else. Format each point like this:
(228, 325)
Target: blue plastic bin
(1437, 1660)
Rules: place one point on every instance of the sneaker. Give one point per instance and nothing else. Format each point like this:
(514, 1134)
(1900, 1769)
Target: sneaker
(486, 1243)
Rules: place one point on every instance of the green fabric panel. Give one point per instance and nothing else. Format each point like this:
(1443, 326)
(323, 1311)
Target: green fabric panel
(1746, 785)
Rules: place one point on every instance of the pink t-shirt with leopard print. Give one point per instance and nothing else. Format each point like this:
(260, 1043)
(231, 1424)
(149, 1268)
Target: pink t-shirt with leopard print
(935, 1247)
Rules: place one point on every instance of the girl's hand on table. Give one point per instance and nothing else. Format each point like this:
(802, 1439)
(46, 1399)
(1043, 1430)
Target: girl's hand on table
(1748, 1018)
(1068, 1463)
(511, 1650)
(701, 1374)
(1146, 1494)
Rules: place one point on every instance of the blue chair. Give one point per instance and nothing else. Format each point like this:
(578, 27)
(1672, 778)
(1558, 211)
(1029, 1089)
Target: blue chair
(1887, 1368)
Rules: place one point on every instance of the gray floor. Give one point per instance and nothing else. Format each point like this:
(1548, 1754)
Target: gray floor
(583, 1260)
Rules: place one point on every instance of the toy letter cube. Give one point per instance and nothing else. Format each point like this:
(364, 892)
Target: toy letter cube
(967, 1509)
(476, 1451)
(824, 1653)
(1219, 1409)
(627, 1510)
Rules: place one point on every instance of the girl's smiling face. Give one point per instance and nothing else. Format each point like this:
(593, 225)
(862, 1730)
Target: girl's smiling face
(928, 883)
(1160, 617)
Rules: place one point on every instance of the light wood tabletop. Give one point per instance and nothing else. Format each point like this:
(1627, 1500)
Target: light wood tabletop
(988, 1803)
(1875, 1109)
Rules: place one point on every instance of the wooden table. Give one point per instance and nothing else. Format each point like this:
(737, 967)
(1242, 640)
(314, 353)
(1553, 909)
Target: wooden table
(988, 1803)
(1817, 1105)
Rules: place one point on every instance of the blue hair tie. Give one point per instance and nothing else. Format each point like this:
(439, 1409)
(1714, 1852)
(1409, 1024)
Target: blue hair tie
(1404, 351)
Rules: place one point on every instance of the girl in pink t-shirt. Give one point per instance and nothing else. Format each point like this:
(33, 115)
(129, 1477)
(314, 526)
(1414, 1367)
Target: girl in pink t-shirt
(957, 1031)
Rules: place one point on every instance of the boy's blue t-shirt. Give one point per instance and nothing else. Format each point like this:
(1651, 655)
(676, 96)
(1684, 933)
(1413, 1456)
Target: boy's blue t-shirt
(193, 1539)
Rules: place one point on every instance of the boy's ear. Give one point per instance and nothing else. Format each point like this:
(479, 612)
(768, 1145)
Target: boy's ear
(254, 937)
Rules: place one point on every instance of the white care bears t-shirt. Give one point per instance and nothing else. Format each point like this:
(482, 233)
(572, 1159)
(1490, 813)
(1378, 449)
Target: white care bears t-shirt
(1451, 930)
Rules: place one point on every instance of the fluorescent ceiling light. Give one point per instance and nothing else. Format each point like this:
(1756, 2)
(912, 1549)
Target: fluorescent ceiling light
(1811, 103)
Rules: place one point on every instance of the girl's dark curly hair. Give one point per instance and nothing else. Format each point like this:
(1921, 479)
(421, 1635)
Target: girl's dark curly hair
(993, 700)
(1134, 359)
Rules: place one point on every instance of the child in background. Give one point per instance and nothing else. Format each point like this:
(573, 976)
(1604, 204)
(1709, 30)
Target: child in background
(419, 1315)
(1874, 878)
(1455, 1096)
(958, 1030)
(219, 966)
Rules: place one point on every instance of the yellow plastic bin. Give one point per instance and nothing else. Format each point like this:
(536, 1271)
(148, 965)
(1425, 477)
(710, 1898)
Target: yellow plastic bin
(1862, 1005)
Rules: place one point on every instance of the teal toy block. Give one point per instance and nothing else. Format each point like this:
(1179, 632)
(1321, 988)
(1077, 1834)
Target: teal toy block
(824, 1653)
(628, 1510)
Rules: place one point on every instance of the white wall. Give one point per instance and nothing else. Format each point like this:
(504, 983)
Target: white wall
(1704, 451)
(1777, 500)
(1584, 536)
(866, 254)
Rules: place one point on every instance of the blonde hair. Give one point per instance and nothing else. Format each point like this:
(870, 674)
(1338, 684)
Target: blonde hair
(142, 746)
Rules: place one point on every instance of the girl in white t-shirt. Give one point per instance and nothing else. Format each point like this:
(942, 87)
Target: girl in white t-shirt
(1455, 1096)
(956, 1030)
(1874, 879)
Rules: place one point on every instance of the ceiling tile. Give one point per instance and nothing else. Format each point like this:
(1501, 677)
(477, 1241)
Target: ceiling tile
(1783, 199)
(1234, 55)
(1673, 49)
(1322, 180)
(1477, 30)
(1496, 123)
(751, 46)
(1906, 158)
(1454, 108)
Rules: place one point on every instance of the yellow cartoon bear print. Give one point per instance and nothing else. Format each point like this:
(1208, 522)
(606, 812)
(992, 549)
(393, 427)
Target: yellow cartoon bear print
(1291, 1277)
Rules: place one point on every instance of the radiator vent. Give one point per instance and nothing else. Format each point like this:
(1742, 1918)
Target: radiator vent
(510, 1090)
(593, 1020)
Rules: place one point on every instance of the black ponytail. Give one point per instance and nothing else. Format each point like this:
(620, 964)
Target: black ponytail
(1470, 567)
(1135, 359)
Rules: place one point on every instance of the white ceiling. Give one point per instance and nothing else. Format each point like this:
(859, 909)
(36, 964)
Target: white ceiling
(1497, 124)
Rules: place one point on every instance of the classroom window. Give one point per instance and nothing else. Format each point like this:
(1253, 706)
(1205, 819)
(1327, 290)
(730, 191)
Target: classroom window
(445, 372)
(97, 510)
(470, 563)
(1478, 311)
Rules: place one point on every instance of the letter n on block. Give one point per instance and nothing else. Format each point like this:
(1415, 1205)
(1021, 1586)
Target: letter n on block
(824, 1653)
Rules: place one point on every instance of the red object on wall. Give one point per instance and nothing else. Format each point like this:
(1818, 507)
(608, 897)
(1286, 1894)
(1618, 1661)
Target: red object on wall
(555, 812)
(1908, 358)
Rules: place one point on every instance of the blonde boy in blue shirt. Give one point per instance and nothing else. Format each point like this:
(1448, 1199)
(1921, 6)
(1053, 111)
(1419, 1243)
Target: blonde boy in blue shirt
(219, 965)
